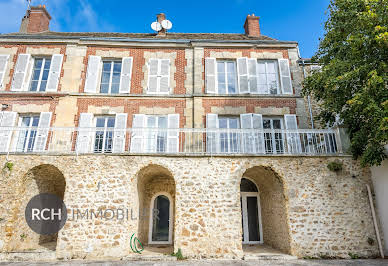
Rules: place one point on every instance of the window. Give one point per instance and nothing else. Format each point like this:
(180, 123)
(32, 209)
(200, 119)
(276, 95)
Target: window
(159, 76)
(248, 76)
(110, 78)
(227, 77)
(229, 140)
(268, 77)
(273, 141)
(27, 134)
(104, 135)
(40, 73)
(156, 140)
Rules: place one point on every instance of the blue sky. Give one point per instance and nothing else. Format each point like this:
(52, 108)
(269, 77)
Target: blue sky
(299, 20)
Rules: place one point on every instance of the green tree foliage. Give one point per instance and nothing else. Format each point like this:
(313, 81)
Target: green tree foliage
(353, 82)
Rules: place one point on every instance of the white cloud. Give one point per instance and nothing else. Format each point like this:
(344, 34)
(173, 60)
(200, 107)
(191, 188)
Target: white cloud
(67, 15)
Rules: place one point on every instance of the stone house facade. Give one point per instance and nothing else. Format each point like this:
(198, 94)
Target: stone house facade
(210, 130)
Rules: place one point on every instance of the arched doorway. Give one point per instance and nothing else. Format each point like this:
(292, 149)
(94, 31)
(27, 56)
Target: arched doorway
(272, 220)
(156, 194)
(252, 232)
(44, 178)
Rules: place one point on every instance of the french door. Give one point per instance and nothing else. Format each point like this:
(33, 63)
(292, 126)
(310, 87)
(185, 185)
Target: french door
(103, 141)
(251, 218)
(27, 134)
(156, 134)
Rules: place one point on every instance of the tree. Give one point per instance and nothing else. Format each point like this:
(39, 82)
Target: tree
(353, 83)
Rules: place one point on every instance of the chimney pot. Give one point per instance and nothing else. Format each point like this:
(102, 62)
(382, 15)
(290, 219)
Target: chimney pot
(252, 26)
(36, 20)
(160, 17)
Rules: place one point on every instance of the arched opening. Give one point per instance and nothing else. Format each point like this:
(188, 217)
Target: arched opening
(156, 193)
(40, 179)
(270, 226)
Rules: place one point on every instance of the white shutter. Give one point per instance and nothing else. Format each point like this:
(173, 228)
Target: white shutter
(164, 76)
(293, 139)
(42, 131)
(211, 75)
(20, 72)
(55, 72)
(137, 136)
(7, 119)
(91, 82)
(257, 123)
(212, 136)
(247, 137)
(3, 68)
(173, 135)
(120, 133)
(252, 73)
(126, 75)
(242, 73)
(285, 76)
(153, 67)
(84, 133)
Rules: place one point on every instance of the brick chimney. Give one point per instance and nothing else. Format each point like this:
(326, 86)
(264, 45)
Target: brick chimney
(252, 26)
(36, 20)
(160, 17)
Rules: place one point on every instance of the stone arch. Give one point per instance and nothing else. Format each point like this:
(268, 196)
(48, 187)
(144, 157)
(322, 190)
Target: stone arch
(273, 203)
(44, 178)
(153, 180)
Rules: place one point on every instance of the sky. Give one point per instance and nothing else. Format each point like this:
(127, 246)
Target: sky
(297, 20)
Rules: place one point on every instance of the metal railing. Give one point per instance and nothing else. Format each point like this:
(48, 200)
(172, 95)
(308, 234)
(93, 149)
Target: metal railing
(190, 141)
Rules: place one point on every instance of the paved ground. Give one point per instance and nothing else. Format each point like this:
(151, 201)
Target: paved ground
(214, 263)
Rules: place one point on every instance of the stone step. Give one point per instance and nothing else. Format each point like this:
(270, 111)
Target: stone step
(269, 257)
(149, 257)
(28, 256)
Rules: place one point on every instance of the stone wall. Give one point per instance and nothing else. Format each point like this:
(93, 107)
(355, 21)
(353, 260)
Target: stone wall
(320, 212)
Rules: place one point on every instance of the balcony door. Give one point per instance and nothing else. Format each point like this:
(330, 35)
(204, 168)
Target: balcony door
(103, 141)
(156, 134)
(229, 140)
(274, 141)
(27, 134)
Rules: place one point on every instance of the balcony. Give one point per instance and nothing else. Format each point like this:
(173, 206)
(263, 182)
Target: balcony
(182, 141)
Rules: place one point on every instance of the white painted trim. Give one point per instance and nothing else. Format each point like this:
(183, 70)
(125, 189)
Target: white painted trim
(244, 196)
(170, 224)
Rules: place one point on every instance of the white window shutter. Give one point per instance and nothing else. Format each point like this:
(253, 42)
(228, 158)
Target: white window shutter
(173, 135)
(212, 136)
(55, 72)
(126, 75)
(257, 123)
(252, 73)
(153, 70)
(247, 136)
(164, 76)
(242, 73)
(3, 68)
(84, 137)
(137, 136)
(293, 138)
(91, 82)
(120, 133)
(211, 75)
(7, 119)
(20, 72)
(42, 131)
(285, 76)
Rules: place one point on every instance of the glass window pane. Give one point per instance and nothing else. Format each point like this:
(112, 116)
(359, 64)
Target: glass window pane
(34, 86)
(231, 68)
(162, 122)
(38, 63)
(47, 64)
(233, 123)
(100, 122)
(114, 88)
(261, 67)
(105, 77)
(267, 124)
(111, 122)
(36, 74)
(271, 67)
(35, 121)
(106, 66)
(43, 86)
(26, 121)
(45, 74)
(151, 121)
(104, 88)
(116, 78)
(220, 67)
(223, 122)
(277, 124)
(231, 84)
(221, 88)
(117, 67)
(221, 77)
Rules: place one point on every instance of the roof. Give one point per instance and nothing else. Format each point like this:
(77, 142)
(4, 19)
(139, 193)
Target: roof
(169, 35)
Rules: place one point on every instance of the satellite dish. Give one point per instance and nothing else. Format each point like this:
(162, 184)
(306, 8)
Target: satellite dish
(156, 26)
(166, 24)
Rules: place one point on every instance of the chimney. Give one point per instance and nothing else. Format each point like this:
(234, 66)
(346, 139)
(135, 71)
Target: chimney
(36, 20)
(252, 26)
(160, 17)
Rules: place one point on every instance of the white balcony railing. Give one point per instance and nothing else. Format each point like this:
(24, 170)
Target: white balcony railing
(190, 141)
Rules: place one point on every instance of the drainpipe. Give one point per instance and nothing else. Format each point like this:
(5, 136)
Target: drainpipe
(375, 221)
(308, 97)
